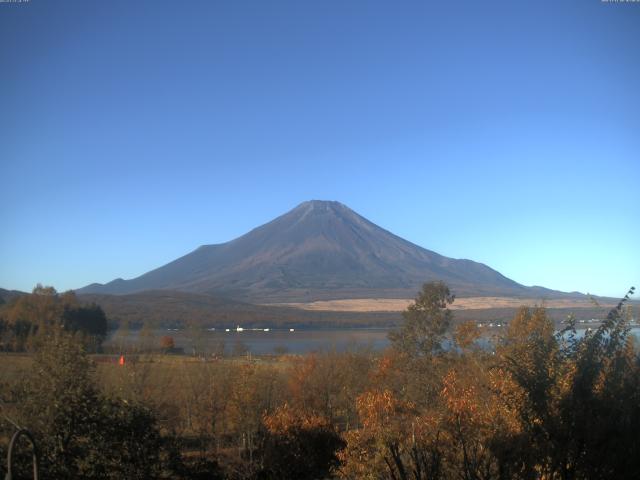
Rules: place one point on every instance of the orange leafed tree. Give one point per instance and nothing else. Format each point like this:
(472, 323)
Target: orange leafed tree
(299, 445)
(167, 343)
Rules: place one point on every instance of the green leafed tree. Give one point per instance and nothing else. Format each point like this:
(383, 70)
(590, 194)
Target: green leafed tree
(426, 322)
(28, 317)
(80, 432)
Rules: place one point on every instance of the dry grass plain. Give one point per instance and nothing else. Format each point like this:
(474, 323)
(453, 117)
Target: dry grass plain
(470, 303)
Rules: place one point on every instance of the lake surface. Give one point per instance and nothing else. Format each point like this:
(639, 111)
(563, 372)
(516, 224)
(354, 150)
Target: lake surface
(262, 342)
(281, 340)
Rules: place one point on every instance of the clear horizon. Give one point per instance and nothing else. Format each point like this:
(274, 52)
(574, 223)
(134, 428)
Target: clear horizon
(133, 132)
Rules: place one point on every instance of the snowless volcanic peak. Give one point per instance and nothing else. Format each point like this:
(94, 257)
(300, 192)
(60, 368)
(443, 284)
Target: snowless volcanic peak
(318, 250)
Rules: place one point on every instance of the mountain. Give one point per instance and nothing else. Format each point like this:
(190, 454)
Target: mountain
(318, 250)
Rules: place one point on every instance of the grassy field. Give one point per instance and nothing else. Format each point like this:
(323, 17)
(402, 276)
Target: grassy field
(471, 303)
(15, 365)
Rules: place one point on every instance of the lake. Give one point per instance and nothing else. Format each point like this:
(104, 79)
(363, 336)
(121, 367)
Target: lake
(260, 342)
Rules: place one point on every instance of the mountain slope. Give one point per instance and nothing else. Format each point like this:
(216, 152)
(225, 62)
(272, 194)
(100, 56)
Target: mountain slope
(171, 308)
(318, 250)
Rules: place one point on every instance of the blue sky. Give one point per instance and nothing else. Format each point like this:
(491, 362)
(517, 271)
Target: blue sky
(132, 132)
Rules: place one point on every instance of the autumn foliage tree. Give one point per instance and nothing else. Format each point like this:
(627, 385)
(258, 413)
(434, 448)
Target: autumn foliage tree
(548, 404)
(573, 398)
(298, 445)
(167, 343)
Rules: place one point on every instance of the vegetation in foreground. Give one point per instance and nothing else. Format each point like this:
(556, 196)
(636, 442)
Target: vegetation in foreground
(543, 404)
